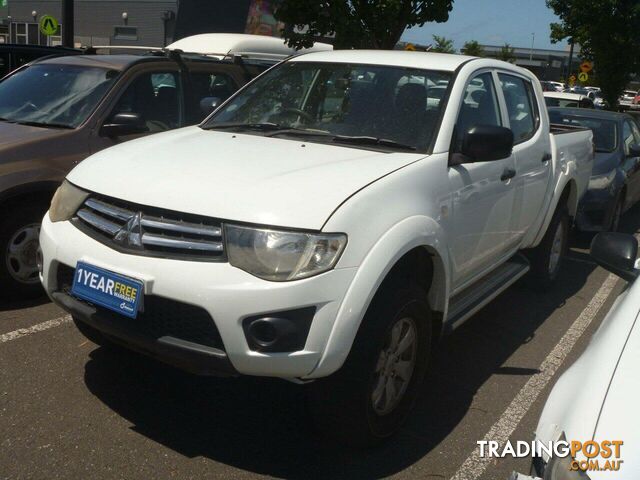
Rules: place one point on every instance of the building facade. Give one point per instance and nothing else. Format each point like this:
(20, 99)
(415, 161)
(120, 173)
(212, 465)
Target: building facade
(152, 23)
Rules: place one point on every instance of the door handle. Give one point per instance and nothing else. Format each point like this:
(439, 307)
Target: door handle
(508, 174)
(546, 157)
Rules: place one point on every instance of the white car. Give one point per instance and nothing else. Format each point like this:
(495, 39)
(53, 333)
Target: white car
(326, 223)
(625, 101)
(596, 398)
(567, 100)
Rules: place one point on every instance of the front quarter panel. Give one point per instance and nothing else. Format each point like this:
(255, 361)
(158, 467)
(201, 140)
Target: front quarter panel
(383, 222)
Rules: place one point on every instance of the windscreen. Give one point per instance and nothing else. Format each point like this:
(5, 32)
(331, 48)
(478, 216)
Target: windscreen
(395, 106)
(53, 95)
(605, 132)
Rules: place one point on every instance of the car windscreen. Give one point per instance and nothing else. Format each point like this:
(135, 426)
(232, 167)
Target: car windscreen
(362, 105)
(605, 132)
(53, 95)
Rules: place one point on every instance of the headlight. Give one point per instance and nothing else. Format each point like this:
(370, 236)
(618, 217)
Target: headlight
(599, 182)
(280, 255)
(66, 201)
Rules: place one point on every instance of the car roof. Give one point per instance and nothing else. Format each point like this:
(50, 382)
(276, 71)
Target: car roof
(113, 62)
(589, 112)
(397, 58)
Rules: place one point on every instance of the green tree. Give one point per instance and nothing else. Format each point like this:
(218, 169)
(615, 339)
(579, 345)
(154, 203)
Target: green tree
(506, 54)
(472, 48)
(608, 32)
(442, 45)
(356, 23)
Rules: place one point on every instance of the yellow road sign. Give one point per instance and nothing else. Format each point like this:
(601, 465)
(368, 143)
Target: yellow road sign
(586, 67)
(572, 80)
(410, 47)
(583, 77)
(49, 25)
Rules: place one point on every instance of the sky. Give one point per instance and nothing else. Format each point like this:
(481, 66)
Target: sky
(492, 22)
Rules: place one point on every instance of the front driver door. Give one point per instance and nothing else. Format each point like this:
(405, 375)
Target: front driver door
(482, 192)
(156, 96)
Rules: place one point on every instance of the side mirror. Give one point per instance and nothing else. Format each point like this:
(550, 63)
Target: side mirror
(209, 104)
(617, 253)
(124, 124)
(484, 143)
(634, 150)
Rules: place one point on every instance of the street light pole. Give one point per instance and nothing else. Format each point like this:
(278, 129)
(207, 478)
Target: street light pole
(533, 39)
(67, 23)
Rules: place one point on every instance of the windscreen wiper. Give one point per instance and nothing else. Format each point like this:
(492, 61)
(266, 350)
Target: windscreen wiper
(306, 132)
(364, 140)
(266, 126)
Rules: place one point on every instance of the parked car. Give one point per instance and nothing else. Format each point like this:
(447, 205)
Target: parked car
(306, 232)
(567, 100)
(559, 86)
(635, 103)
(614, 186)
(548, 86)
(625, 101)
(57, 111)
(13, 56)
(598, 100)
(595, 399)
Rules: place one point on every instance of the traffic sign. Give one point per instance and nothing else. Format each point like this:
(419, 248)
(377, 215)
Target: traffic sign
(572, 80)
(583, 77)
(586, 67)
(410, 47)
(49, 25)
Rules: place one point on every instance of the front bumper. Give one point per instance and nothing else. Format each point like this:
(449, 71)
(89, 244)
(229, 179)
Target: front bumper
(227, 294)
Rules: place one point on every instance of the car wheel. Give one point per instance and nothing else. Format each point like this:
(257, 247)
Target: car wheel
(368, 399)
(19, 242)
(546, 258)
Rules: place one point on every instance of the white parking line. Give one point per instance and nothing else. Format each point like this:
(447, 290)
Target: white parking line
(474, 465)
(40, 327)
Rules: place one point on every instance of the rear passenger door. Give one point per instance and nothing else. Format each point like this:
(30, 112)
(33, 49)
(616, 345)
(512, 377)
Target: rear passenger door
(482, 195)
(631, 136)
(532, 149)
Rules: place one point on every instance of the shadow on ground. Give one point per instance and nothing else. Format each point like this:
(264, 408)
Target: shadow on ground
(261, 425)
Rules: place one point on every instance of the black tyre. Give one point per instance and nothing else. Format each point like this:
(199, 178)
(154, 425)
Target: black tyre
(546, 258)
(19, 232)
(369, 398)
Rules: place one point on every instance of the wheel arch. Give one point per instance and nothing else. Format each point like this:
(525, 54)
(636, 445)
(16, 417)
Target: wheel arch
(41, 191)
(413, 248)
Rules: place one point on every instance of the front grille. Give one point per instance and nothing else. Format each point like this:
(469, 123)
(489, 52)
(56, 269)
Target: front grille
(151, 231)
(161, 316)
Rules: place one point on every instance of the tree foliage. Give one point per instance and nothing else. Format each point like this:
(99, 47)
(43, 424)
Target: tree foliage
(473, 49)
(507, 54)
(608, 32)
(442, 45)
(356, 23)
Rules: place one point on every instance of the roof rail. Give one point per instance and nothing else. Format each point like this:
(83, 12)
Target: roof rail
(126, 47)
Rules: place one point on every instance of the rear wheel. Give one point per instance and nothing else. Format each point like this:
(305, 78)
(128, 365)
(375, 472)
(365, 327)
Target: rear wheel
(546, 258)
(19, 241)
(369, 398)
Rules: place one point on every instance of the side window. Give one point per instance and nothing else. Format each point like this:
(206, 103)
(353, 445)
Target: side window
(521, 106)
(218, 85)
(156, 98)
(4, 64)
(636, 132)
(479, 106)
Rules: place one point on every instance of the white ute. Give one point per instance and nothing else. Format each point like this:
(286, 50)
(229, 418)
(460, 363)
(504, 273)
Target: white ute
(328, 222)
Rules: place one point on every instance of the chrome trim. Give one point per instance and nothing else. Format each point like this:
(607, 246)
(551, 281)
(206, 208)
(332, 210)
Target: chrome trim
(181, 227)
(170, 242)
(99, 222)
(110, 210)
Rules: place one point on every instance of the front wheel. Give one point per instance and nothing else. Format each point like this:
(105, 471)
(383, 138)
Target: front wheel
(367, 400)
(546, 258)
(19, 241)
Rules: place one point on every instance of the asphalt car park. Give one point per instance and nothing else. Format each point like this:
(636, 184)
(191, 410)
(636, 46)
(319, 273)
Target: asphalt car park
(69, 409)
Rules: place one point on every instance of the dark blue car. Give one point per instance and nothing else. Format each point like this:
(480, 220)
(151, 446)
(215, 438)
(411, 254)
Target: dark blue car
(615, 181)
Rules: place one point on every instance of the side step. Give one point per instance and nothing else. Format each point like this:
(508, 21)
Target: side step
(464, 304)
